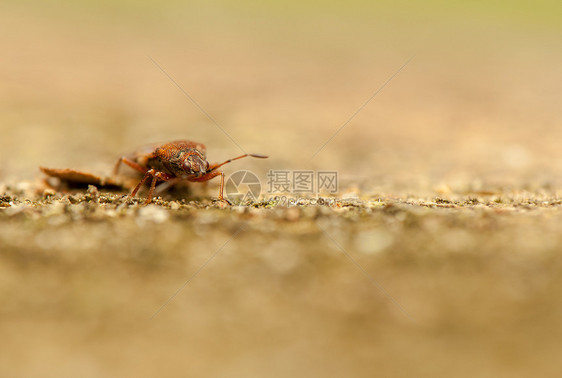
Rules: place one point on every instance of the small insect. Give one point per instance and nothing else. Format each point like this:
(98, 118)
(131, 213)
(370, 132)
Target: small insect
(173, 162)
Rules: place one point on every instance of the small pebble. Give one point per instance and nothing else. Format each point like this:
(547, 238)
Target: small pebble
(94, 193)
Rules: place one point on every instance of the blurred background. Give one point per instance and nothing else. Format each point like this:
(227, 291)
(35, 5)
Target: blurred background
(476, 110)
(477, 105)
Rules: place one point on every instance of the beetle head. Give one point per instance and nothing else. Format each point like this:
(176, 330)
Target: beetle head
(195, 164)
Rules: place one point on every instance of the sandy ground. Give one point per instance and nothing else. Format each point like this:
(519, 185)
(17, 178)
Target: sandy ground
(438, 256)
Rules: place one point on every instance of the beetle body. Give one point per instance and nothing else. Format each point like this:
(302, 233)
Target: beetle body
(175, 161)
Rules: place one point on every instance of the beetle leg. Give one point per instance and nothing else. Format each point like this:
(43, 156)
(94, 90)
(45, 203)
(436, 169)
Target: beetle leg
(146, 176)
(130, 163)
(206, 177)
(210, 176)
(221, 198)
(155, 177)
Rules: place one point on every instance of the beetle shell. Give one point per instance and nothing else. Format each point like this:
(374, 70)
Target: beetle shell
(169, 158)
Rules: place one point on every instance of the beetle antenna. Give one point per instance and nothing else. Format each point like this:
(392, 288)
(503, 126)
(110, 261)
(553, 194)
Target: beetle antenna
(239, 157)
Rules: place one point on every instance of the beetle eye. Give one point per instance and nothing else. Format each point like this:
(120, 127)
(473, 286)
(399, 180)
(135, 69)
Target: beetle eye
(188, 165)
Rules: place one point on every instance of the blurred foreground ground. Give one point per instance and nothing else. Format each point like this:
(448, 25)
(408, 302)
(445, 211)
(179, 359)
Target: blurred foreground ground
(441, 257)
(468, 287)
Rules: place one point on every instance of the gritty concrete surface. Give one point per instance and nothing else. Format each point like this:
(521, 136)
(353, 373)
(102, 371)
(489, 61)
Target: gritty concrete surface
(98, 279)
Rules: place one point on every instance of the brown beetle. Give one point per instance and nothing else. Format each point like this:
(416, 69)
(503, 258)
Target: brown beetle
(173, 162)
